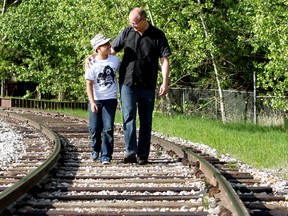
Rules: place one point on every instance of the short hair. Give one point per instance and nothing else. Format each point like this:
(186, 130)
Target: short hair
(142, 13)
(139, 11)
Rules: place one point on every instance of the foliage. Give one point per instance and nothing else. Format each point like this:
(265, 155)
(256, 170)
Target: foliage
(50, 41)
(266, 32)
(53, 38)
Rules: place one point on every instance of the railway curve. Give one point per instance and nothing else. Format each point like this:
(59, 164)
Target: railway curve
(178, 180)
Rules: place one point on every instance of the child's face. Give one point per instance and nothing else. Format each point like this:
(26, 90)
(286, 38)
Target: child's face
(105, 48)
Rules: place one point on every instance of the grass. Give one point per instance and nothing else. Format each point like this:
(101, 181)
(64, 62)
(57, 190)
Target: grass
(262, 147)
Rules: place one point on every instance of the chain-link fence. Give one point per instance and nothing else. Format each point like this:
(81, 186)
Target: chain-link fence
(239, 105)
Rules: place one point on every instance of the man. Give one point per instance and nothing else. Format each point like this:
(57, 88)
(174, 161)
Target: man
(143, 45)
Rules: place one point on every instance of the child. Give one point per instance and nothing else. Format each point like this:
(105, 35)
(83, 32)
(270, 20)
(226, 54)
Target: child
(102, 87)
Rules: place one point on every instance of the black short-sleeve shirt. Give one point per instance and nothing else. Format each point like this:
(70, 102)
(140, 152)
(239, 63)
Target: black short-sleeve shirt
(139, 66)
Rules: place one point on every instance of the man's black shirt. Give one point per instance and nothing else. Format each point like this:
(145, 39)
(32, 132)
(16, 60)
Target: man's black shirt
(139, 66)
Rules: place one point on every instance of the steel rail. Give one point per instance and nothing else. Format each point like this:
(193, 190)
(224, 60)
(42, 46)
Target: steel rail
(18, 189)
(229, 197)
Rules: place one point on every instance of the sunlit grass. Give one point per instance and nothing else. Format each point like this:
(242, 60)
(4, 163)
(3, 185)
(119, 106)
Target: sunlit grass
(259, 146)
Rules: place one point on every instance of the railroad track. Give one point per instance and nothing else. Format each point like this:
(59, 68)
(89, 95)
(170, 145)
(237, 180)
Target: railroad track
(178, 180)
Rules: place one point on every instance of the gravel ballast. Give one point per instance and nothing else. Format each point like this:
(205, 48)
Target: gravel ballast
(12, 148)
(11, 145)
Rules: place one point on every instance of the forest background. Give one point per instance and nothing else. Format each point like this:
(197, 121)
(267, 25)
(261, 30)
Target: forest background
(216, 44)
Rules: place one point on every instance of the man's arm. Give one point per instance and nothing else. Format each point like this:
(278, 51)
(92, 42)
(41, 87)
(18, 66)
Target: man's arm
(165, 67)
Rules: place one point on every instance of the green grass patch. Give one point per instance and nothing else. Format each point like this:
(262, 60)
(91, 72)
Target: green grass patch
(260, 146)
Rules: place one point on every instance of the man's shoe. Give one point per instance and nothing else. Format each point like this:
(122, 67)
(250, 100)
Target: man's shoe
(130, 159)
(142, 161)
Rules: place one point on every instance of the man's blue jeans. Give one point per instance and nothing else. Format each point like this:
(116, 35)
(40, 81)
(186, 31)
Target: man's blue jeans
(101, 127)
(143, 99)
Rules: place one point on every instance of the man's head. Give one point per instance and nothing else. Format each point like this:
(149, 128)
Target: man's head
(138, 19)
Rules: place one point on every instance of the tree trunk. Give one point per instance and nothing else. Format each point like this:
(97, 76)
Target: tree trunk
(2, 80)
(2, 88)
(221, 99)
(4, 6)
(61, 95)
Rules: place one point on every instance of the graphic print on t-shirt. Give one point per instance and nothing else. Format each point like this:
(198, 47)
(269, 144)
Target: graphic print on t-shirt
(107, 77)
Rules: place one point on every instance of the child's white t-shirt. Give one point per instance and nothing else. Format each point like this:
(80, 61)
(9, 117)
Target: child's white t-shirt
(103, 73)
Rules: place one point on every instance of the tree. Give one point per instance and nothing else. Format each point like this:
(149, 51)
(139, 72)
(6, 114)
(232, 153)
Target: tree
(206, 32)
(4, 65)
(52, 40)
(266, 32)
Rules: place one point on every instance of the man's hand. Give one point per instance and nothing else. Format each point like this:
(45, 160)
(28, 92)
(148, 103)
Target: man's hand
(89, 60)
(163, 90)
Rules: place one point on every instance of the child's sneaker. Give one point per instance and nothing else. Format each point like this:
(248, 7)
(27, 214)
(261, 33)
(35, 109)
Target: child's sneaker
(94, 155)
(105, 160)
